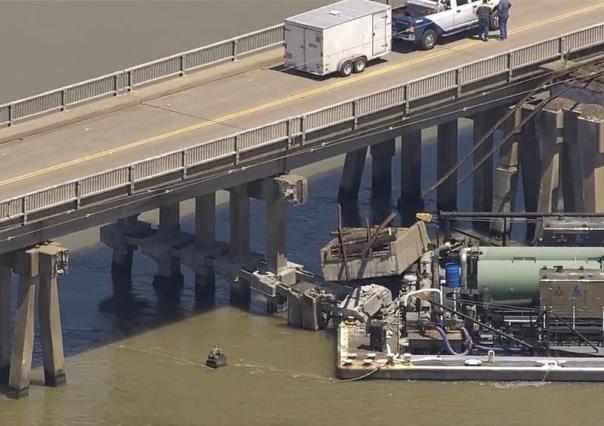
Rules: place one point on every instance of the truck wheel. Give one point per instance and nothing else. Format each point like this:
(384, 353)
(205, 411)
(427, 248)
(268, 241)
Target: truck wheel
(359, 64)
(428, 40)
(494, 22)
(346, 69)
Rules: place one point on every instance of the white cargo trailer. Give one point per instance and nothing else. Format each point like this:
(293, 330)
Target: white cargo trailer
(342, 37)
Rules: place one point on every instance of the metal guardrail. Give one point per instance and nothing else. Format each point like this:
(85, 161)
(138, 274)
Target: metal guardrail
(183, 162)
(123, 81)
(120, 82)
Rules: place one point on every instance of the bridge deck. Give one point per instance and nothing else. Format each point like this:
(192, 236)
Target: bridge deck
(251, 99)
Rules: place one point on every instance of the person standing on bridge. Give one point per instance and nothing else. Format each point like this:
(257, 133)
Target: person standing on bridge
(484, 19)
(503, 10)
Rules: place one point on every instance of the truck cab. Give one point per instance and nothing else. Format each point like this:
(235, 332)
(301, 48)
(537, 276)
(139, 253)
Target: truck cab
(424, 22)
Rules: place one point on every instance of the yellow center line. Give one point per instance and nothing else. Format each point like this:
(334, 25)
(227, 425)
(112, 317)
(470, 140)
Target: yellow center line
(341, 83)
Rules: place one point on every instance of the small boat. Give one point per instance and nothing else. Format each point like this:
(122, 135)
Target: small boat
(216, 358)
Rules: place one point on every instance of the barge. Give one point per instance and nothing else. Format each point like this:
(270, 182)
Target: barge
(457, 311)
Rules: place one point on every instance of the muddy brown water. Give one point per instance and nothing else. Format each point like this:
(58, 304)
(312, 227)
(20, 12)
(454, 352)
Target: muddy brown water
(140, 363)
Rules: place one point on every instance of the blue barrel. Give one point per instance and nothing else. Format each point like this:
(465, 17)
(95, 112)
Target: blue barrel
(452, 274)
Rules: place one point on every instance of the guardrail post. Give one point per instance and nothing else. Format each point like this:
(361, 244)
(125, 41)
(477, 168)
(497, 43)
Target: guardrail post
(78, 189)
(303, 127)
(236, 159)
(24, 207)
(564, 52)
(235, 43)
(288, 129)
(131, 179)
(509, 64)
(63, 99)
(116, 83)
(184, 163)
(183, 64)
(458, 82)
(129, 80)
(406, 98)
(10, 114)
(355, 118)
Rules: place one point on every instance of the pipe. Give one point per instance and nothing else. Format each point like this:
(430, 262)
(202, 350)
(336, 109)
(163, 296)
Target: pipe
(422, 290)
(486, 326)
(426, 279)
(447, 344)
(463, 261)
(511, 349)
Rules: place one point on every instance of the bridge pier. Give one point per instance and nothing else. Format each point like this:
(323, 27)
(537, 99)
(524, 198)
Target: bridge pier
(446, 153)
(115, 237)
(550, 127)
(277, 192)
(168, 281)
(411, 201)
(483, 177)
(5, 319)
(276, 231)
(350, 184)
(590, 127)
(571, 164)
(239, 221)
(381, 179)
(352, 175)
(50, 321)
(205, 238)
(529, 158)
(36, 267)
(506, 176)
(121, 262)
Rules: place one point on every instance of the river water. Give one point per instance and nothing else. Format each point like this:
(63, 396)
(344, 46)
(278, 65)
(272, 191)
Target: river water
(141, 365)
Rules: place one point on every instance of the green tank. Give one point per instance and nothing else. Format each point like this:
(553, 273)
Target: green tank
(513, 272)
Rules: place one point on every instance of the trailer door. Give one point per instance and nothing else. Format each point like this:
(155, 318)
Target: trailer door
(294, 46)
(380, 42)
(313, 60)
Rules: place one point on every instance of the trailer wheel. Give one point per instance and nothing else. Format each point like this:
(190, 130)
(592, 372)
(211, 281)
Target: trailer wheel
(346, 68)
(428, 40)
(359, 64)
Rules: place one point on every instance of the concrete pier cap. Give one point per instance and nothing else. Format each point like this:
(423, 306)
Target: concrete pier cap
(289, 188)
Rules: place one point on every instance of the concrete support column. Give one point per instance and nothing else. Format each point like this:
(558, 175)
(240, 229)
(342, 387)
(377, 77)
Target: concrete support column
(571, 166)
(169, 224)
(447, 135)
(239, 205)
(23, 343)
(483, 177)
(549, 126)
(121, 262)
(352, 175)
(205, 237)
(506, 176)
(590, 128)
(276, 235)
(411, 172)
(240, 221)
(529, 156)
(276, 239)
(381, 179)
(169, 281)
(50, 322)
(5, 311)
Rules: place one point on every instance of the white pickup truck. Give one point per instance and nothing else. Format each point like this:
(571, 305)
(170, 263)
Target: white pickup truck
(426, 21)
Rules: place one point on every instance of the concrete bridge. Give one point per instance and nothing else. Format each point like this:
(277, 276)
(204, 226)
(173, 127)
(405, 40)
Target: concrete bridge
(149, 137)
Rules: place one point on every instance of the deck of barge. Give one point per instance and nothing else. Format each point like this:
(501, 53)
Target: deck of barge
(356, 361)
